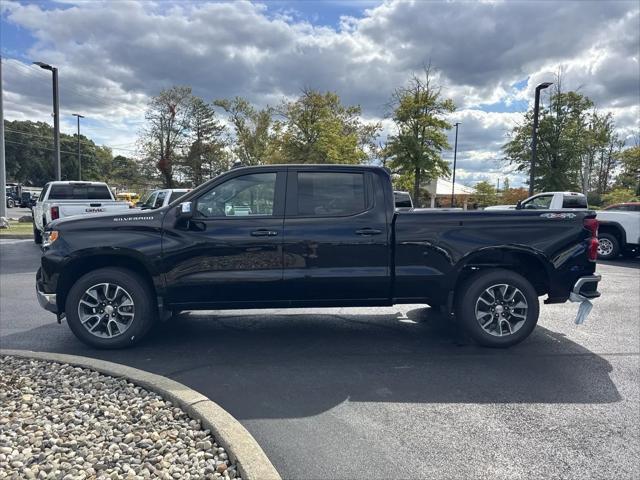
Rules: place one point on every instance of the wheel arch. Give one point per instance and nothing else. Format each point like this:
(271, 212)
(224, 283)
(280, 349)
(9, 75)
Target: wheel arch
(83, 264)
(615, 229)
(531, 264)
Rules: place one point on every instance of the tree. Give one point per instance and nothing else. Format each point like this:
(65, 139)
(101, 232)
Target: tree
(420, 136)
(317, 128)
(206, 154)
(251, 129)
(506, 185)
(512, 196)
(620, 195)
(576, 144)
(629, 177)
(485, 194)
(169, 117)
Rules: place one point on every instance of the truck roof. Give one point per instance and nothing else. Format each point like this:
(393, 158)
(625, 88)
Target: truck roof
(74, 182)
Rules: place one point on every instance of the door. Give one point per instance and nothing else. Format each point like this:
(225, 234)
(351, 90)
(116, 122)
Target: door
(230, 252)
(336, 248)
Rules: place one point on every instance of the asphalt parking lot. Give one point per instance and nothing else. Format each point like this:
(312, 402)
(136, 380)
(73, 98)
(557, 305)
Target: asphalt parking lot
(394, 393)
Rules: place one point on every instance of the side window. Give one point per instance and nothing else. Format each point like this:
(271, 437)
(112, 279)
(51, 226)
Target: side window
(160, 199)
(42, 193)
(574, 201)
(252, 194)
(330, 193)
(151, 200)
(541, 202)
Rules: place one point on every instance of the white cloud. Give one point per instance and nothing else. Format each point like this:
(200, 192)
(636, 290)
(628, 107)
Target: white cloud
(113, 56)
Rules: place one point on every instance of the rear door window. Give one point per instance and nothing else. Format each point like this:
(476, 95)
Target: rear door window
(574, 201)
(176, 195)
(331, 194)
(79, 192)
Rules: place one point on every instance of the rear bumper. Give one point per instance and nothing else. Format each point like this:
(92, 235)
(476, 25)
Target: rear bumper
(587, 286)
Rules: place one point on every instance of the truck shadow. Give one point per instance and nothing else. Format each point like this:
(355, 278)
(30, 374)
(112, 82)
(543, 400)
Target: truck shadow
(282, 364)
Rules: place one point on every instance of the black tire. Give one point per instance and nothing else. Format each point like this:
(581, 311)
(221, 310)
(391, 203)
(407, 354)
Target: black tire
(10, 203)
(37, 236)
(141, 293)
(613, 246)
(468, 295)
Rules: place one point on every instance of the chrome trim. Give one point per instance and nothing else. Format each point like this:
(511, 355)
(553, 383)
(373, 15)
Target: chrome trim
(582, 280)
(48, 301)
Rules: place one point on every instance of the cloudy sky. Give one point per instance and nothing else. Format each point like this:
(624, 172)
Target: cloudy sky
(113, 56)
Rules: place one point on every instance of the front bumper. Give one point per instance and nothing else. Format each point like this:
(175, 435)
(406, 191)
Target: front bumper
(48, 301)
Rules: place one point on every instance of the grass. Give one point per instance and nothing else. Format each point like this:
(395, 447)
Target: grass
(17, 228)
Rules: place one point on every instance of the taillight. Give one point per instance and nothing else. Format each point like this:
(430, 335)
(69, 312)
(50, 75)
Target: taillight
(55, 213)
(591, 224)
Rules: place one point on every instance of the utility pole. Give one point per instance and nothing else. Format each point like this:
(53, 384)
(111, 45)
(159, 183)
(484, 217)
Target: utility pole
(534, 135)
(79, 159)
(56, 117)
(3, 170)
(455, 155)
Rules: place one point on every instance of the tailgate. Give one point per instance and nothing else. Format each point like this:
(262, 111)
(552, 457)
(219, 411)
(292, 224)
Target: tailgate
(89, 208)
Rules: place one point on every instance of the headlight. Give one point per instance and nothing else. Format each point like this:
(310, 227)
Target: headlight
(49, 237)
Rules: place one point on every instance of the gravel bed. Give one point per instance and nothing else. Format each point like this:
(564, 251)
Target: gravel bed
(63, 422)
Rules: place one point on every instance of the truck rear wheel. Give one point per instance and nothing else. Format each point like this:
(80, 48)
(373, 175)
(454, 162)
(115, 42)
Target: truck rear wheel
(497, 308)
(608, 246)
(110, 308)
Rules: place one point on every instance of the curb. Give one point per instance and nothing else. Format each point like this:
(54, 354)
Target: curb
(242, 448)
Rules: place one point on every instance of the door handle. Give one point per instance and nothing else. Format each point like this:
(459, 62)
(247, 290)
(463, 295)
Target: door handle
(264, 233)
(368, 231)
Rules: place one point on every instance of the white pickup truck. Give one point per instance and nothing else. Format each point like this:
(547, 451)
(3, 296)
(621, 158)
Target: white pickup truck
(618, 233)
(66, 199)
(548, 201)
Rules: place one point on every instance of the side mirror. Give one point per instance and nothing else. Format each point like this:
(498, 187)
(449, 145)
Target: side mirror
(519, 205)
(185, 210)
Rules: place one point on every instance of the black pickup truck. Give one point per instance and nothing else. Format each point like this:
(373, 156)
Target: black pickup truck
(312, 236)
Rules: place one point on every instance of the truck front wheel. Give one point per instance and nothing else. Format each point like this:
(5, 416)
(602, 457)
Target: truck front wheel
(608, 246)
(497, 308)
(110, 308)
(37, 235)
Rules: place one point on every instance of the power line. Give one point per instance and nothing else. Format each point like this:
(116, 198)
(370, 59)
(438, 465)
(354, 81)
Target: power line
(86, 142)
(47, 148)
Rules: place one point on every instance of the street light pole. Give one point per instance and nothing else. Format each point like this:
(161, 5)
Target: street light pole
(56, 117)
(455, 155)
(79, 159)
(3, 171)
(534, 135)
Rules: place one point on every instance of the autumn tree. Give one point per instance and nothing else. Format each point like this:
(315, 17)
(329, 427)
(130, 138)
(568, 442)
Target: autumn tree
(166, 134)
(251, 142)
(416, 147)
(318, 128)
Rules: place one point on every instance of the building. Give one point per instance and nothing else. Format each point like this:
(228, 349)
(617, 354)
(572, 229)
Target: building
(440, 193)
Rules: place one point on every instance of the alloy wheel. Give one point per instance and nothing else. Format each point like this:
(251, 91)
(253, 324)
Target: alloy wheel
(501, 310)
(106, 310)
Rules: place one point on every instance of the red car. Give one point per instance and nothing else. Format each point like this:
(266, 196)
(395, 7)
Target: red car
(625, 207)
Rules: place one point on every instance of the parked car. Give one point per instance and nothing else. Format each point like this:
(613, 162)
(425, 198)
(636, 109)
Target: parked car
(548, 201)
(624, 207)
(618, 233)
(66, 199)
(161, 198)
(314, 236)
